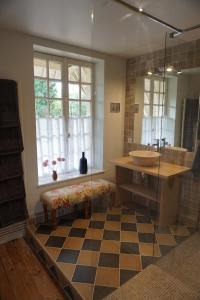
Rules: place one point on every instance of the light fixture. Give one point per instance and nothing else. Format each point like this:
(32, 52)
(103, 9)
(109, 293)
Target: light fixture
(176, 31)
(150, 73)
(179, 72)
(92, 16)
(169, 69)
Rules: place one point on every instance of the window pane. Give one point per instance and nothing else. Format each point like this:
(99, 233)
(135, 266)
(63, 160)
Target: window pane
(147, 98)
(146, 110)
(162, 99)
(55, 70)
(73, 73)
(161, 86)
(155, 111)
(40, 87)
(161, 111)
(85, 109)
(41, 108)
(147, 84)
(156, 98)
(86, 74)
(74, 91)
(55, 89)
(85, 92)
(40, 67)
(56, 109)
(73, 109)
(156, 86)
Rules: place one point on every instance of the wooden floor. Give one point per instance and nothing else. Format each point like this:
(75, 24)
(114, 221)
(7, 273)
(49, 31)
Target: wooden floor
(22, 276)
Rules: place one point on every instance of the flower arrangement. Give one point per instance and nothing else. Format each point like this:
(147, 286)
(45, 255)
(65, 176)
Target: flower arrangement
(53, 165)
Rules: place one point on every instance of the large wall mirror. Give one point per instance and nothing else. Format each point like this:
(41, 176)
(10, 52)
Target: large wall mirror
(167, 106)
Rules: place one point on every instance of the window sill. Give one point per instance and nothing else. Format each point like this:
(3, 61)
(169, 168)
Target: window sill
(67, 177)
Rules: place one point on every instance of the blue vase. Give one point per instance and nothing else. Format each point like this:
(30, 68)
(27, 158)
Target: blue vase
(83, 164)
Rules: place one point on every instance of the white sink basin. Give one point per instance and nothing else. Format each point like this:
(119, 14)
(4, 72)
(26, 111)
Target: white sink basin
(145, 158)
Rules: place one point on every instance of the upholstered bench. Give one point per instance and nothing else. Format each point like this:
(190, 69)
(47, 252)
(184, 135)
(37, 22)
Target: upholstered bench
(78, 193)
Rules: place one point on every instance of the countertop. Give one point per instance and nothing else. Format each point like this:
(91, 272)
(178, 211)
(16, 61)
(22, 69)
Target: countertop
(164, 170)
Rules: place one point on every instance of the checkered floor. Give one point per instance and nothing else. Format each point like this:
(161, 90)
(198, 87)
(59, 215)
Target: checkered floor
(100, 254)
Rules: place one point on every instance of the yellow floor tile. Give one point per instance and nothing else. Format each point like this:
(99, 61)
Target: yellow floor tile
(130, 262)
(114, 211)
(85, 290)
(129, 236)
(54, 252)
(88, 258)
(98, 217)
(148, 249)
(42, 237)
(165, 239)
(128, 219)
(107, 277)
(67, 269)
(60, 231)
(145, 228)
(108, 246)
(81, 223)
(73, 243)
(112, 225)
(94, 234)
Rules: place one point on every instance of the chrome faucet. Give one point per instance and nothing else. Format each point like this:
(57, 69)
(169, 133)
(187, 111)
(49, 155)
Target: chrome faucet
(157, 144)
(164, 143)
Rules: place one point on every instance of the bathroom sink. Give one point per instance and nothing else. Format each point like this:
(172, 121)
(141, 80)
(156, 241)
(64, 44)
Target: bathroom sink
(145, 158)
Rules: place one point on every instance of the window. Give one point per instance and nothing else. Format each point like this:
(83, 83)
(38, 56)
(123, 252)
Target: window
(64, 112)
(154, 109)
(154, 97)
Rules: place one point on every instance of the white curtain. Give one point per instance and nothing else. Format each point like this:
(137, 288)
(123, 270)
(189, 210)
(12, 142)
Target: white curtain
(53, 143)
(80, 140)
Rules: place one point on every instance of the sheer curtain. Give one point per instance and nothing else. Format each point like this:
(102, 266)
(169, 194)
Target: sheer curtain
(53, 144)
(80, 140)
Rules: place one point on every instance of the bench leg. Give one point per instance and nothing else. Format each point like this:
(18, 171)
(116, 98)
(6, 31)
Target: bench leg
(111, 200)
(86, 209)
(53, 218)
(45, 213)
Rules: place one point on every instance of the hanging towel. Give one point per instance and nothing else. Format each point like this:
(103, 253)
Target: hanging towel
(196, 163)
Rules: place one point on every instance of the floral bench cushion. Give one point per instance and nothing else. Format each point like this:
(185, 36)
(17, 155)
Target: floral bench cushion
(77, 193)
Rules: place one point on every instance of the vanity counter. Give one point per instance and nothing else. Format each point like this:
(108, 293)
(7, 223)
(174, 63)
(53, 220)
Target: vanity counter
(164, 170)
(166, 191)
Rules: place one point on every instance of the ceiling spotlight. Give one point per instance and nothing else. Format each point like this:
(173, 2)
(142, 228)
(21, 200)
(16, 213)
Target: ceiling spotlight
(169, 69)
(92, 16)
(150, 73)
(179, 72)
(140, 9)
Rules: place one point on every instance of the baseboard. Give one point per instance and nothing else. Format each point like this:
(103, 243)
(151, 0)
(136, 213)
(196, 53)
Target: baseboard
(12, 232)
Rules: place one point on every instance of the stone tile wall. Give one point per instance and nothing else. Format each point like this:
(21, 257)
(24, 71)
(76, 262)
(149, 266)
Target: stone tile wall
(184, 56)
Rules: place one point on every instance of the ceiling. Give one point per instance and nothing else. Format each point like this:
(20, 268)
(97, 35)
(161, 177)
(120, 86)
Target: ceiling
(114, 29)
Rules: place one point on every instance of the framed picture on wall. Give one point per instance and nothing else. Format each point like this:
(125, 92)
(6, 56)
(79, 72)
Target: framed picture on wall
(114, 107)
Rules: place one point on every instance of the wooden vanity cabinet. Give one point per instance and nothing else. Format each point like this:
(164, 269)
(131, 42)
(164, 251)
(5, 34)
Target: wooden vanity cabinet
(160, 184)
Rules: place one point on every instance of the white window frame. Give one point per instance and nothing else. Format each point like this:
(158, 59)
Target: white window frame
(65, 97)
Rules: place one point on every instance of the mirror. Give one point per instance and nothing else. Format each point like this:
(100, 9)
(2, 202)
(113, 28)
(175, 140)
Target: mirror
(167, 109)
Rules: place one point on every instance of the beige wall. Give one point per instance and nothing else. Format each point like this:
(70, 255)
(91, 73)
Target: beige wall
(16, 55)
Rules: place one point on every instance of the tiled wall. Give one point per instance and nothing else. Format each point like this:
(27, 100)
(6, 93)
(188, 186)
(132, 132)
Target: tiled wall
(184, 56)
